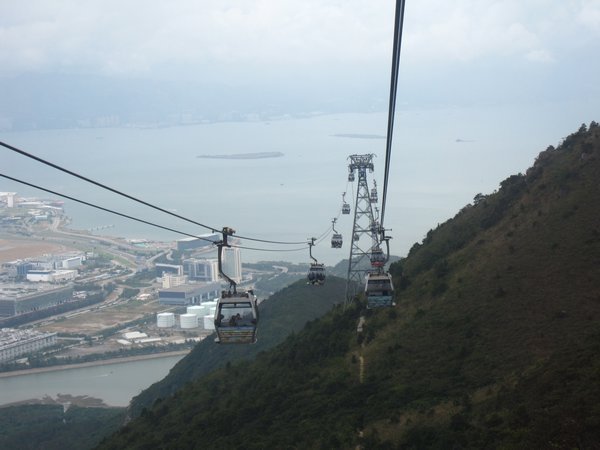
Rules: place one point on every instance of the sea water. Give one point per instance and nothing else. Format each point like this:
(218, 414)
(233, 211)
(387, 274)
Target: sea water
(115, 384)
(441, 158)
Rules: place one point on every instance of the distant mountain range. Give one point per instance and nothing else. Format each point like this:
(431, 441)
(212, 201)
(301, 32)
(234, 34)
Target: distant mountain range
(494, 342)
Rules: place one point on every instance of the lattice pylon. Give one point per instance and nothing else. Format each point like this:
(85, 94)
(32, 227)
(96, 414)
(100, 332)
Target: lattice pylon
(363, 237)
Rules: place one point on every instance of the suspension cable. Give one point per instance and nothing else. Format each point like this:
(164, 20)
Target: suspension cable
(398, 26)
(130, 197)
(127, 216)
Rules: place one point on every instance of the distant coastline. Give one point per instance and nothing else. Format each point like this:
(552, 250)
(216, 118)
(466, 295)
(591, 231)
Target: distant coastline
(259, 155)
(99, 362)
(359, 136)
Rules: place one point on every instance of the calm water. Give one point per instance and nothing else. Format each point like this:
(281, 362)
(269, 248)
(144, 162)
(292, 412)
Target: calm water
(115, 384)
(295, 196)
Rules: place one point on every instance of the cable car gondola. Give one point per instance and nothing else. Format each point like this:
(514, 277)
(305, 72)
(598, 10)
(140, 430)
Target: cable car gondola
(336, 239)
(345, 205)
(374, 197)
(378, 259)
(236, 318)
(316, 272)
(351, 176)
(236, 314)
(379, 290)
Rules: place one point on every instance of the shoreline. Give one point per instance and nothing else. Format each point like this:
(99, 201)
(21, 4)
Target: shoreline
(99, 362)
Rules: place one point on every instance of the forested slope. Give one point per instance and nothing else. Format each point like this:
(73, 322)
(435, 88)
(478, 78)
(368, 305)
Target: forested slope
(53, 427)
(284, 312)
(494, 342)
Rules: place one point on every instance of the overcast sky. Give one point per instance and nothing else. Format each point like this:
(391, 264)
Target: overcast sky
(250, 39)
(511, 54)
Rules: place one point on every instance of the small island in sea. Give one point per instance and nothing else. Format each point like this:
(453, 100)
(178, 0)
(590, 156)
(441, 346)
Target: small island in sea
(259, 155)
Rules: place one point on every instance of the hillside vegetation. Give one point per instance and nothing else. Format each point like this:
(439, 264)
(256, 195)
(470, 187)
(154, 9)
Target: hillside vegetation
(50, 427)
(494, 342)
(285, 312)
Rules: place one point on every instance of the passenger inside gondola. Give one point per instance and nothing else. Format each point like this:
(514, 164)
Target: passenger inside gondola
(236, 315)
(378, 287)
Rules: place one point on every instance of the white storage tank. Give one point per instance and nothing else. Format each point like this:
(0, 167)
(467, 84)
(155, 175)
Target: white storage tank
(165, 320)
(208, 305)
(209, 322)
(188, 320)
(196, 309)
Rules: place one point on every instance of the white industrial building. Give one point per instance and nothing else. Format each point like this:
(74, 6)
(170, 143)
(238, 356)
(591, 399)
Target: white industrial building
(170, 280)
(67, 261)
(201, 269)
(15, 343)
(134, 335)
(10, 198)
(51, 276)
(232, 263)
(72, 262)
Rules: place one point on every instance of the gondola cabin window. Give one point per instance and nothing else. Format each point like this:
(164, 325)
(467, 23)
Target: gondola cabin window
(379, 287)
(238, 314)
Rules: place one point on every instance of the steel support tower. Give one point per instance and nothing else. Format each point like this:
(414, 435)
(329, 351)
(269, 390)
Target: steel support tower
(364, 228)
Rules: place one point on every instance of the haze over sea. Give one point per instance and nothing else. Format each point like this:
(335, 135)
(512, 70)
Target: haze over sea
(441, 158)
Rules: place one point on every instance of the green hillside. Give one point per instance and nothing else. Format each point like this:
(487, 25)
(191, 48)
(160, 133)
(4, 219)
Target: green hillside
(285, 312)
(494, 342)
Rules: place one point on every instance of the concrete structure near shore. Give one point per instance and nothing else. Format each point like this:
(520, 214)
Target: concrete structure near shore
(15, 343)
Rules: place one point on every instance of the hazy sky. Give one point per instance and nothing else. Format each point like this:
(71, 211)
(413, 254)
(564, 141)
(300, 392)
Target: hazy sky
(243, 40)
(521, 56)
